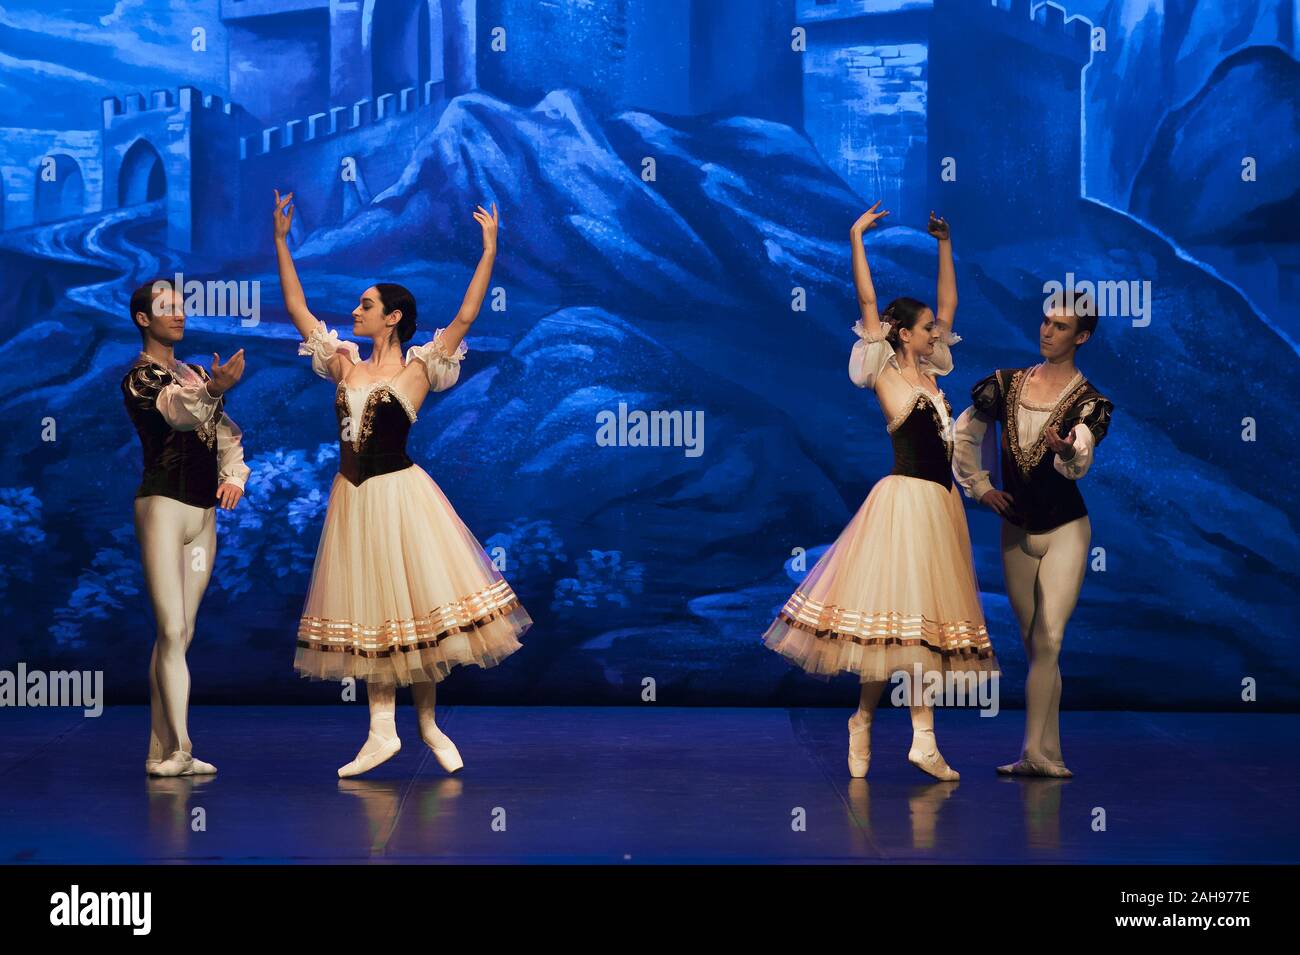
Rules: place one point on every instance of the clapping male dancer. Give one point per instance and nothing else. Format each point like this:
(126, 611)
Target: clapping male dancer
(193, 461)
(1052, 420)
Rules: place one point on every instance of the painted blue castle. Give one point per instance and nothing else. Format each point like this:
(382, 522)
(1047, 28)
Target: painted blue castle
(897, 93)
(331, 97)
(309, 85)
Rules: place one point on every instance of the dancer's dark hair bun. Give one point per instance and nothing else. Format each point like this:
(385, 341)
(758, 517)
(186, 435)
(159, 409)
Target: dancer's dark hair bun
(902, 312)
(392, 297)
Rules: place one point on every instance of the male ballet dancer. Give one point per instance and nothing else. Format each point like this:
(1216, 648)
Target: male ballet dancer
(193, 460)
(1052, 420)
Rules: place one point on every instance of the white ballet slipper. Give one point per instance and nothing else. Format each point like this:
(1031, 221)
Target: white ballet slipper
(1035, 767)
(200, 768)
(371, 756)
(179, 763)
(933, 764)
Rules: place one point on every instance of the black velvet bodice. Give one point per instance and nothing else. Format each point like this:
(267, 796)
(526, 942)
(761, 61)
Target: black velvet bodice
(182, 465)
(377, 443)
(1043, 497)
(922, 444)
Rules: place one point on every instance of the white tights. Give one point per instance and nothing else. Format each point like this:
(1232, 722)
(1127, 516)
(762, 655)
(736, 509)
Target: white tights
(922, 715)
(382, 698)
(177, 547)
(1044, 573)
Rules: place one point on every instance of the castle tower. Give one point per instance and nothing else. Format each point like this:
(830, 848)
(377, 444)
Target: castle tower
(292, 58)
(865, 93)
(1005, 111)
(150, 153)
(279, 56)
(681, 57)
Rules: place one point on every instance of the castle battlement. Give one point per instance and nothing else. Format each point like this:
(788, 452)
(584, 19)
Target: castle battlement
(338, 119)
(1044, 26)
(187, 99)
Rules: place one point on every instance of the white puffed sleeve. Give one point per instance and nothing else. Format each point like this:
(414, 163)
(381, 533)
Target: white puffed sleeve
(231, 468)
(322, 345)
(1084, 446)
(974, 453)
(185, 407)
(869, 356)
(185, 404)
(443, 369)
(940, 361)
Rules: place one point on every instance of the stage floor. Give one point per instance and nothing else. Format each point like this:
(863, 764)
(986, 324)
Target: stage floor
(651, 784)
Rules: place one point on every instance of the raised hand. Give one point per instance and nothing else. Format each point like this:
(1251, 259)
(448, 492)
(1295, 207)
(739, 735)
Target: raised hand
(489, 224)
(868, 219)
(228, 496)
(283, 214)
(938, 227)
(225, 377)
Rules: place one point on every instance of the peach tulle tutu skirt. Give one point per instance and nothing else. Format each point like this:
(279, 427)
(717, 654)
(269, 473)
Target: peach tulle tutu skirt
(401, 591)
(897, 588)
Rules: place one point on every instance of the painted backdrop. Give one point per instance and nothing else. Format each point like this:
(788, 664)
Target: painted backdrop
(676, 180)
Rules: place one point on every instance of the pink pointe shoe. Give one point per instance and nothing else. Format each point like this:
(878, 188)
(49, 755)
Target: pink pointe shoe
(381, 752)
(859, 747)
(446, 753)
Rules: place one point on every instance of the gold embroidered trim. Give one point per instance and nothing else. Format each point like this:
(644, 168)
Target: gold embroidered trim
(207, 431)
(945, 429)
(963, 638)
(366, 426)
(1027, 459)
(408, 635)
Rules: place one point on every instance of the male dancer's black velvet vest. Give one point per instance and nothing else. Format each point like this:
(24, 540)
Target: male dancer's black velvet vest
(1043, 498)
(922, 449)
(377, 443)
(177, 464)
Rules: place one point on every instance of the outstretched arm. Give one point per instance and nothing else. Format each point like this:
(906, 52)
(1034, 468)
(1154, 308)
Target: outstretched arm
(946, 296)
(436, 366)
(866, 291)
(295, 302)
(454, 333)
(187, 403)
(330, 357)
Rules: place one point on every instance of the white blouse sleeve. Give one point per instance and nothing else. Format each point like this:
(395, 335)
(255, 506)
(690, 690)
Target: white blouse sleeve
(869, 356)
(322, 345)
(975, 453)
(443, 369)
(186, 404)
(940, 361)
(231, 468)
(1084, 446)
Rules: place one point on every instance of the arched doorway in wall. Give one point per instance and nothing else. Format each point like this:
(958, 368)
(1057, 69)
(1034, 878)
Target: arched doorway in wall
(141, 177)
(60, 189)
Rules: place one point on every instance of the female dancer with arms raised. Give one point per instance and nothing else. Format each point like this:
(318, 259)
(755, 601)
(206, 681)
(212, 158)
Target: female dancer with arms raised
(897, 589)
(401, 590)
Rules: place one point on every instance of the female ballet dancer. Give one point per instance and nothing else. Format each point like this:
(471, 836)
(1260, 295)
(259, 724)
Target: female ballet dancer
(897, 588)
(401, 590)
(1052, 420)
